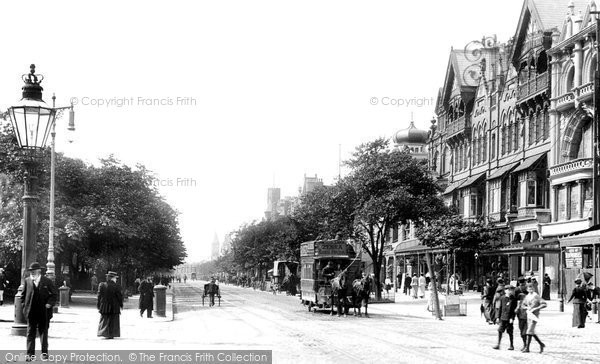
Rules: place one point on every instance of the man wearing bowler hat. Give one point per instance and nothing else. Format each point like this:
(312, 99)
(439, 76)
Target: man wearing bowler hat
(110, 303)
(40, 296)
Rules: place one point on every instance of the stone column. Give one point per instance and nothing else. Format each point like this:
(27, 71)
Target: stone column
(554, 203)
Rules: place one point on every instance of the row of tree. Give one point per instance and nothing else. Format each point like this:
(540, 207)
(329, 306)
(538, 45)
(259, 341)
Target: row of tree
(107, 217)
(385, 186)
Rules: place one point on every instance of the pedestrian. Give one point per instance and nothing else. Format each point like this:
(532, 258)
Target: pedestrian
(94, 282)
(520, 294)
(40, 296)
(546, 289)
(3, 285)
(594, 297)
(487, 297)
(212, 289)
(184, 278)
(579, 298)
(407, 282)
(414, 285)
(146, 297)
(422, 285)
(535, 285)
(534, 303)
(497, 301)
(507, 316)
(110, 303)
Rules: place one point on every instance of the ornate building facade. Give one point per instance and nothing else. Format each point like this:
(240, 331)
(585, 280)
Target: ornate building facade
(513, 145)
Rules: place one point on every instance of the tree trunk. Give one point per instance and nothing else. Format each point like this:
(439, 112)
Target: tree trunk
(377, 271)
(436, 302)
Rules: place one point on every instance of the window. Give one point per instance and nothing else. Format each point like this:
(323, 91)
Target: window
(493, 147)
(585, 145)
(562, 203)
(531, 127)
(531, 191)
(494, 201)
(503, 139)
(574, 202)
(546, 124)
(510, 137)
(484, 146)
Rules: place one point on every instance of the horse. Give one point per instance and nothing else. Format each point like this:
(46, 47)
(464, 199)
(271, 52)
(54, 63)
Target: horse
(361, 289)
(339, 294)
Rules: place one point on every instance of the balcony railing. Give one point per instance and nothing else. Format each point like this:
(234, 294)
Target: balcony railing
(533, 86)
(566, 99)
(576, 165)
(585, 90)
(461, 125)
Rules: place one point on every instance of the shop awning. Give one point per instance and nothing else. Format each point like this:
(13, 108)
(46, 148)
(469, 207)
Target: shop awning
(537, 247)
(417, 249)
(500, 172)
(529, 162)
(471, 180)
(588, 238)
(454, 185)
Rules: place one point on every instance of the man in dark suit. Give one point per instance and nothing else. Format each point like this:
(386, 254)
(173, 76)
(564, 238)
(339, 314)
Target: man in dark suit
(146, 297)
(40, 296)
(110, 302)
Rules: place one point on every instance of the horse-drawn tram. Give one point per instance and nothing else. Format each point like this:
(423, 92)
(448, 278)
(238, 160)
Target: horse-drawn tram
(316, 290)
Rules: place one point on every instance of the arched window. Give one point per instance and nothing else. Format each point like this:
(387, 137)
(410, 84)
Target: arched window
(493, 147)
(515, 119)
(443, 161)
(484, 152)
(509, 137)
(503, 149)
(570, 80)
(546, 124)
(531, 127)
(538, 125)
(585, 142)
(515, 131)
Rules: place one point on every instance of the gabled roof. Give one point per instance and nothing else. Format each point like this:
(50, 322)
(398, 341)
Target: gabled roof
(462, 71)
(548, 14)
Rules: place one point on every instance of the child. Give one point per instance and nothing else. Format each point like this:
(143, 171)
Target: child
(508, 304)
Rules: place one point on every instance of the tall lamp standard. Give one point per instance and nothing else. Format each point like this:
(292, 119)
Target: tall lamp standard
(32, 120)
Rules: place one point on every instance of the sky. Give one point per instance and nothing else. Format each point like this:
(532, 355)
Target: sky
(224, 99)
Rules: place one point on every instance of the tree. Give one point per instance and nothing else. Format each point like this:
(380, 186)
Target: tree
(454, 233)
(326, 212)
(391, 187)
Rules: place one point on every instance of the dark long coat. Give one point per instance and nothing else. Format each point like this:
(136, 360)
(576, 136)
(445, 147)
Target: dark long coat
(48, 295)
(146, 295)
(110, 298)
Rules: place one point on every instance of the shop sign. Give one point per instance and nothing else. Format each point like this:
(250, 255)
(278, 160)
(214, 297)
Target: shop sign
(573, 257)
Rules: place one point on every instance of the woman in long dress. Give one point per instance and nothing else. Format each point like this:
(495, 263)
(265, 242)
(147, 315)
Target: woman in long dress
(579, 298)
(546, 289)
(414, 285)
(422, 285)
(533, 303)
(110, 303)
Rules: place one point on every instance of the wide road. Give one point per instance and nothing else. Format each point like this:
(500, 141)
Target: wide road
(249, 319)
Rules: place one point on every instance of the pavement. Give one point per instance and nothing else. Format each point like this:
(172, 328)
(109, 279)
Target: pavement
(286, 327)
(77, 325)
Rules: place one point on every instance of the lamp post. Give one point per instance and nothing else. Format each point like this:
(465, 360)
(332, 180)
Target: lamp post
(32, 120)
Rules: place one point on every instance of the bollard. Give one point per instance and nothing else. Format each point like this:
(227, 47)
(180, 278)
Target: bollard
(64, 296)
(160, 300)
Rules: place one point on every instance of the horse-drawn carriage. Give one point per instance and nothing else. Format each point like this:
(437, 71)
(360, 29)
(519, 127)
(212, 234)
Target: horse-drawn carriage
(283, 276)
(319, 292)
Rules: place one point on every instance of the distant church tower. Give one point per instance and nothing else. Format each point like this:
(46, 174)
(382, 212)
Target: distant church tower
(215, 248)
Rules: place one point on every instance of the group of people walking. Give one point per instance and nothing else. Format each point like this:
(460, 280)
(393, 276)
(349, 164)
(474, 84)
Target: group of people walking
(415, 286)
(502, 304)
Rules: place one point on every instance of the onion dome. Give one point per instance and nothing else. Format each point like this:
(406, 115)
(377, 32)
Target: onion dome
(411, 135)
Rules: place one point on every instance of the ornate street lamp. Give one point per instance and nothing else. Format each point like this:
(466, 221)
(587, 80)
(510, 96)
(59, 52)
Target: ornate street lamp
(32, 120)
